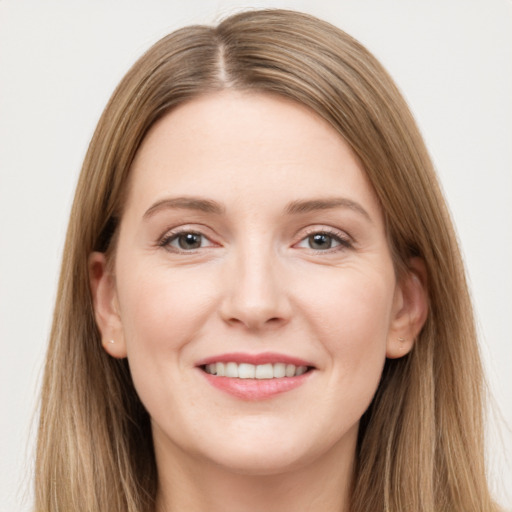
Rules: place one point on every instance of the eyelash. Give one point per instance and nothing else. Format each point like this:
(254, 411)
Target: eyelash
(343, 240)
(173, 235)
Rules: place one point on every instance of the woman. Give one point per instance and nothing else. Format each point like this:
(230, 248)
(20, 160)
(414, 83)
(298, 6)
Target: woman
(262, 304)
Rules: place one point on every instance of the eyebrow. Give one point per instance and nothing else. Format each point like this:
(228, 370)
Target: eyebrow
(311, 205)
(185, 202)
(293, 208)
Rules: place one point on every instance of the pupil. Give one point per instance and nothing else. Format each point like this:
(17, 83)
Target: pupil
(190, 241)
(320, 241)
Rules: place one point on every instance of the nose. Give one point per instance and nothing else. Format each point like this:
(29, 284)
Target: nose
(256, 295)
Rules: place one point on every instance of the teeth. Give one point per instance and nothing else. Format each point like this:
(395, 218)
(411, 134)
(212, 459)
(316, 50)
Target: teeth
(290, 370)
(264, 371)
(300, 370)
(246, 371)
(231, 370)
(280, 370)
(251, 371)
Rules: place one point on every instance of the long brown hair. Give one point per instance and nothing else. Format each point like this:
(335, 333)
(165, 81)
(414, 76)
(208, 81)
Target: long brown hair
(420, 443)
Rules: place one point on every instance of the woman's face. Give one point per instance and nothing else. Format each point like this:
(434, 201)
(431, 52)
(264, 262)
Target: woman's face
(254, 292)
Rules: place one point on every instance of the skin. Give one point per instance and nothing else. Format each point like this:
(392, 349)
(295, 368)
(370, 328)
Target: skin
(256, 283)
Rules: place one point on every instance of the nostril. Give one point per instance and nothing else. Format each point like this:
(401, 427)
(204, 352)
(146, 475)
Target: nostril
(256, 323)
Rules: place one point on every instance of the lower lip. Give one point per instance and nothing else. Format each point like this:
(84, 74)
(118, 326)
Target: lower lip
(256, 389)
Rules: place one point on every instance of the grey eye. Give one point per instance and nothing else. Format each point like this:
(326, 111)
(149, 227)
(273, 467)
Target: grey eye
(185, 241)
(188, 241)
(320, 241)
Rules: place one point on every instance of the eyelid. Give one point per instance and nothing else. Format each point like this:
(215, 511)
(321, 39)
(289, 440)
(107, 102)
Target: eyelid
(172, 234)
(345, 240)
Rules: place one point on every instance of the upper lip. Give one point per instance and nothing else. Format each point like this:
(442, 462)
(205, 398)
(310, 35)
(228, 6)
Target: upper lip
(255, 359)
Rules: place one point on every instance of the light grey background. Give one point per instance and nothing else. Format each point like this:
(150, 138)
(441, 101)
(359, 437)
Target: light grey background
(59, 62)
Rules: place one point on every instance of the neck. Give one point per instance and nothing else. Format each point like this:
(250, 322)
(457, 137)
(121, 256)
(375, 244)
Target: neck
(187, 483)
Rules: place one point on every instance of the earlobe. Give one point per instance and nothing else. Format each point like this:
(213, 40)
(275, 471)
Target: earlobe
(410, 310)
(106, 309)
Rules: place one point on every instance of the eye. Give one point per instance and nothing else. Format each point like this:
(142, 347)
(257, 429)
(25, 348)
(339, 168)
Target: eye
(324, 241)
(321, 241)
(185, 241)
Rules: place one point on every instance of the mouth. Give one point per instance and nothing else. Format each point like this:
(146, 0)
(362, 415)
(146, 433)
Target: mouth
(255, 377)
(251, 371)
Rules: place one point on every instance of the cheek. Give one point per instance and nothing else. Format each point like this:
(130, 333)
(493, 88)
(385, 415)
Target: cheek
(354, 326)
(161, 307)
(162, 311)
(351, 314)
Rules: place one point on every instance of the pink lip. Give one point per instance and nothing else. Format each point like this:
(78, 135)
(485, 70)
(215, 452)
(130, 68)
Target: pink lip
(255, 389)
(263, 358)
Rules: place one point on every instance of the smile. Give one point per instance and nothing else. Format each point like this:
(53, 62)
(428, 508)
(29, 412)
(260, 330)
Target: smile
(255, 376)
(251, 371)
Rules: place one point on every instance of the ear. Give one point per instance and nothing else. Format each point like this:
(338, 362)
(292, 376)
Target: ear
(410, 310)
(106, 307)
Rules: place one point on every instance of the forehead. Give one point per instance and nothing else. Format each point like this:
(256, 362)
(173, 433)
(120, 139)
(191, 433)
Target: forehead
(242, 145)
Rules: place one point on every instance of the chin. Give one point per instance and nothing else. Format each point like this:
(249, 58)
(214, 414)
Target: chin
(259, 454)
(261, 462)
